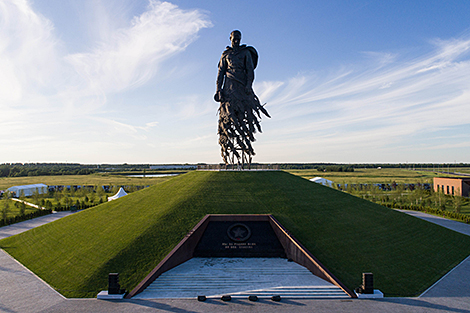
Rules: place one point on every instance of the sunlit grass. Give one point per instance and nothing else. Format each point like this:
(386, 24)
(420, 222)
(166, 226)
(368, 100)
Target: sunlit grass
(133, 234)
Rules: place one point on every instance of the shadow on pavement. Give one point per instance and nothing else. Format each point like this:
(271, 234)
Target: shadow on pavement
(160, 306)
(424, 304)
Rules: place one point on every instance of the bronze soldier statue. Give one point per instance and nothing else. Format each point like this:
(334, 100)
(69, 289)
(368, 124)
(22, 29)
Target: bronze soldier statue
(239, 111)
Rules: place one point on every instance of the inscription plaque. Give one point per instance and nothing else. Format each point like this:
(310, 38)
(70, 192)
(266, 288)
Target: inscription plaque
(233, 239)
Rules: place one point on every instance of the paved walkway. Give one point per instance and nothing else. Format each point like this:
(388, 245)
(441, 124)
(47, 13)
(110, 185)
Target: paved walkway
(386, 305)
(22, 291)
(450, 224)
(18, 228)
(29, 204)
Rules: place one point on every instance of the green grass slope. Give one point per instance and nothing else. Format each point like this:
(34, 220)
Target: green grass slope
(133, 234)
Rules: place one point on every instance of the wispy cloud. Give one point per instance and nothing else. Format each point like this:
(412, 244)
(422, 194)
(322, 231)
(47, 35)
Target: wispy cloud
(45, 91)
(129, 56)
(28, 52)
(382, 103)
(53, 101)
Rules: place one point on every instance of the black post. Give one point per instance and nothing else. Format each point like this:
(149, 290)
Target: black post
(113, 288)
(367, 283)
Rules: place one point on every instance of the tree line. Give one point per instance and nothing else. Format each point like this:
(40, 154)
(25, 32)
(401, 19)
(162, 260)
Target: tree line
(48, 169)
(335, 168)
(44, 169)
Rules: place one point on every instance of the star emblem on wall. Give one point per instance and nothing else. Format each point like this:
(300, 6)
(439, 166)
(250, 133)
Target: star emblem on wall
(239, 232)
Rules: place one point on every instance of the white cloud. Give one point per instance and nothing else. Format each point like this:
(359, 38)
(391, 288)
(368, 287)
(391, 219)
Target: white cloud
(28, 52)
(130, 56)
(150, 125)
(47, 93)
(267, 89)
(53, 101)
(379, 104)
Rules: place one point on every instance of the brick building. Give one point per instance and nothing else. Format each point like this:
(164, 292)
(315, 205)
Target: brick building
(459, 186)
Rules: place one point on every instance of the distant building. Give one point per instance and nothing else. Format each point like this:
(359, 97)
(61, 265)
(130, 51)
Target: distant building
(28, 190)
(459, 186)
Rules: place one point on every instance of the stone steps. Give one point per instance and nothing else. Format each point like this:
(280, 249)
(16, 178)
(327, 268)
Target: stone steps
(238, 277)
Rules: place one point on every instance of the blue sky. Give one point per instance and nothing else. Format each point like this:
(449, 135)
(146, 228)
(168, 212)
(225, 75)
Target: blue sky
(132, 81)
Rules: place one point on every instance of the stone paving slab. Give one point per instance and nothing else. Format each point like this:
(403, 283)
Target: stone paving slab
(21, 290)
(456, 283)
(385, 305)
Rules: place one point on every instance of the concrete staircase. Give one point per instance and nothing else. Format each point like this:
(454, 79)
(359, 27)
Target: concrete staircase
(240, 277)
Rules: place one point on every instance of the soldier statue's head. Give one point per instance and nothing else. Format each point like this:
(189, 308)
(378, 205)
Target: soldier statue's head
(235, 38)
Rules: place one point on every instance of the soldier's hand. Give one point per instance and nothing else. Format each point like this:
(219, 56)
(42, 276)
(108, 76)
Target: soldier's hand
(218, 96)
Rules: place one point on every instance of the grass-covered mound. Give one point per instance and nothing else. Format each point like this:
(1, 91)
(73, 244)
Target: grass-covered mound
(133, 234)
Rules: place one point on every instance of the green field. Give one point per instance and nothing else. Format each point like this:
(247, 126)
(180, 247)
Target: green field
(464, 170)
(93, 179)
(389, 175)
(359, 175)
(66, 198)
(385, 175)
(133, 234)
